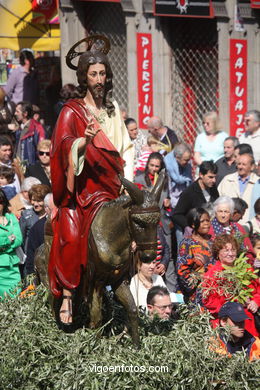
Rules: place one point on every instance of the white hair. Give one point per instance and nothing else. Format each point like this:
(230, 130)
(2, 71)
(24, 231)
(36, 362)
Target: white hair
(48, 199)
(29, 182)
(224, 200)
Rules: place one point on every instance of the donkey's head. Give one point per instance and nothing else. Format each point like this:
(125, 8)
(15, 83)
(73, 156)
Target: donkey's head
(144, 216)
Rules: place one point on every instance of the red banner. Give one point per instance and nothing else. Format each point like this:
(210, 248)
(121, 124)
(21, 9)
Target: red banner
(238, 85)
(45, 11)
(145, 78)
(255, 3)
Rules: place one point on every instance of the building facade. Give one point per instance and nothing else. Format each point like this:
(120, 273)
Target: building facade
(175, 59)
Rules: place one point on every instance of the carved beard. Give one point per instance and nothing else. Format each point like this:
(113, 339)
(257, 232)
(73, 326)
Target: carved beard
(98, 91)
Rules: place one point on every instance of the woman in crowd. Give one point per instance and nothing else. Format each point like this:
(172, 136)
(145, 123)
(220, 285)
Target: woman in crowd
(221, 223)
(28, 217)
(209, 145)
(143, 280)
(10, 239)
(216, 287)
(148, 178)
(194, 253)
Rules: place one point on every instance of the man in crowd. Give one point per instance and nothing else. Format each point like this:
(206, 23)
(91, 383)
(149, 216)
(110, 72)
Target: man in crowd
(252, 132)
(178, 167)
(22, 85)
(159, 302)
(242, 149)
(227, 164)
(202, 191)
(6, 159)
(234, 338)
(29, 134)
(162, 133)
(240, 184)
(138, 139)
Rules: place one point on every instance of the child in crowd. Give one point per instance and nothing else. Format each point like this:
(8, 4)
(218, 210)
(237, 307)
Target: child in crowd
(6, 180)
(152, 146)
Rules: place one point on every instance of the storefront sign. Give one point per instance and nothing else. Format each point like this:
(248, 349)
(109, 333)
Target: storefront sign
(145, 78)
(238, 85)
(184, 8)
(255, 3)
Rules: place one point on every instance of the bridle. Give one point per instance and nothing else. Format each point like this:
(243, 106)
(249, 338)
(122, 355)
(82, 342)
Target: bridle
(152, 245)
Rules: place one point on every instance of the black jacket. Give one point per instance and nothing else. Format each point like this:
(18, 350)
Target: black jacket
(190, 198)
(36, 170)
(172, 137)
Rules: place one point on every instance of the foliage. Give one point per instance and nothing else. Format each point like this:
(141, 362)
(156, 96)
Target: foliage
(36, 355)
(234, 282)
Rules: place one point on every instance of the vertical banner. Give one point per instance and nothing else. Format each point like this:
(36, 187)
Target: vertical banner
(145, 78)
(238, 85)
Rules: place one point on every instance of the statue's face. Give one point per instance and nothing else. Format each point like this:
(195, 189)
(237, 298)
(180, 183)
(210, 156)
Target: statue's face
(96, 78)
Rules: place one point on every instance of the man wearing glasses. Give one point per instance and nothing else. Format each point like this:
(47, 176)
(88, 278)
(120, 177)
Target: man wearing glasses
(159, 302)
(41, 169)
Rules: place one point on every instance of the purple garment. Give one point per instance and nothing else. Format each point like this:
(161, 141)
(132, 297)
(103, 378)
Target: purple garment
(22, 86)
(14, 86)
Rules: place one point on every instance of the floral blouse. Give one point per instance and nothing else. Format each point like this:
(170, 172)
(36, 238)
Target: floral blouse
(193, 257)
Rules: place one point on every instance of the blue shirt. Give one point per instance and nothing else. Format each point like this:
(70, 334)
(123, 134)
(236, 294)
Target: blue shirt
(242, 184)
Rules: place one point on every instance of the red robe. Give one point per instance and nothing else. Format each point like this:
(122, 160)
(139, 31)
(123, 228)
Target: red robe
(78, 198)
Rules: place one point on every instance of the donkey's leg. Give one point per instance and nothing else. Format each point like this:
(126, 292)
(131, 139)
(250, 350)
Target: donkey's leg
(125, 297)
(95, 306)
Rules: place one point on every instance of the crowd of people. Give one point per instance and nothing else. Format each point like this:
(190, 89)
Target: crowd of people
(209, 206)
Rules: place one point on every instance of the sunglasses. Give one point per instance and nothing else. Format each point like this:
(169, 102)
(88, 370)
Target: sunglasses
(41, 153)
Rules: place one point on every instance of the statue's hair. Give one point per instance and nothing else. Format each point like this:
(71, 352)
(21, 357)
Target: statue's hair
(92, 58)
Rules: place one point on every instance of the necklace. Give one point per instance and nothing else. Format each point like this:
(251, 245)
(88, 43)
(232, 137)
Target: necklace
(145, 283)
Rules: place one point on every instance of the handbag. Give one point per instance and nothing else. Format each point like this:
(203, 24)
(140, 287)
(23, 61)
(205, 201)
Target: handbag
(20, 254)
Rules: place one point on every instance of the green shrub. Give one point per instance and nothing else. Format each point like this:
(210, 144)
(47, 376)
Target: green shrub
(36, 355)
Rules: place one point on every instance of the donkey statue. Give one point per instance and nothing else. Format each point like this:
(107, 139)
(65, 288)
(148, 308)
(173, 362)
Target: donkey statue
(132, 217)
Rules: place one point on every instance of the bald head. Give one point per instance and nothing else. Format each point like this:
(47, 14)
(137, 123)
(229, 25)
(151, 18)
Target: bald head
(155, 127)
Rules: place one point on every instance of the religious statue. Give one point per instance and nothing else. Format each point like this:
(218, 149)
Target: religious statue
(91, 157)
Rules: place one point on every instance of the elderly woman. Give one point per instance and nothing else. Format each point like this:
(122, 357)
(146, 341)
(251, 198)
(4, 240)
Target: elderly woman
(178, 167)
(10, 239)
(221, 223)
(225, 249)
(30, 216)
(194, 253)
(209, 145)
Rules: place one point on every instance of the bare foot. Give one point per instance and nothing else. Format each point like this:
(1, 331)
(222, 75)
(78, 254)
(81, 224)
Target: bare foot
(66, 308)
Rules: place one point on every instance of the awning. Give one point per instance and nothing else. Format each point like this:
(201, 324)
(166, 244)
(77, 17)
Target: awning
(18, 32)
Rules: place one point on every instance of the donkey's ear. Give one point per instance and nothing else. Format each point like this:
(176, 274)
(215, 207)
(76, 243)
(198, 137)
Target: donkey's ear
(157, 189)
(134, 192)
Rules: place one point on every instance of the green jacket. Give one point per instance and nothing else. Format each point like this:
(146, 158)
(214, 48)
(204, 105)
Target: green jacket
(7, 248)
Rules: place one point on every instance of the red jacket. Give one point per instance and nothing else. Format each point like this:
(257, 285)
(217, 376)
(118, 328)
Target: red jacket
(216, 299)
